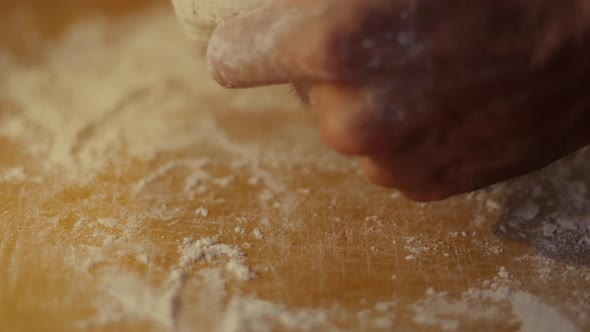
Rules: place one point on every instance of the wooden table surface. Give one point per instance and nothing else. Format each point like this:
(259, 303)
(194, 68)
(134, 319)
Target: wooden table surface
(107, 182)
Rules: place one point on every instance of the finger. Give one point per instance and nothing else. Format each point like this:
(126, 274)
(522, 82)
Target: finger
(282, 41)
(378, 174)
(391, 173)
(310, 40)
(349, 120)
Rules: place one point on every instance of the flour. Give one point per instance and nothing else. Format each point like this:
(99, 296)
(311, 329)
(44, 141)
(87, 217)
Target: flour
(115, 86)
(104, 97)
(493, 205)
(257, 233)
(254, 315)
(529, 310)
(203, 212)
(162, 305)
(265, 222)
(225, 181)
(554, 215)
(495, 299)
(45, 104)
(108, 222)
(385, 306)
(208, 249)
(197, 183)
(16, 174)
(138, 301)
(133, 189)
(503, 273)
(164, 170)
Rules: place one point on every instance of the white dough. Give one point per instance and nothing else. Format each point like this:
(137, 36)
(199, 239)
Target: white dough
(200, 17)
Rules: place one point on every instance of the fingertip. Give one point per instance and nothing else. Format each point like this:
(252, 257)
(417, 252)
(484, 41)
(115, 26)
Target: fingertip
(279, 42)
(347, 122)
(376, 174)
(334, 128)
(226, 57)
(385, 175)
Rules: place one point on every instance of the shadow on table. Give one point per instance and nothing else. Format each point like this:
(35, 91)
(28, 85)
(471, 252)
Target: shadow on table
(550, 211)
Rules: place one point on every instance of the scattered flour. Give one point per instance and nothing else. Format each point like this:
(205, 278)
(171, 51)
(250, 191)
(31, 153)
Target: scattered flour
(66, 137)
(495, 300)
(16, 174)
(79, 112)
(493, 205)
(203, 212)
(254, 315)
(503, 273)
(171, 166)
(107, 222)
(385, 306)
(258, 234)
(136, 300)
(265, 222)
(537, 316)
(105, 95)
(208, 249)
(554, 215)
(225, 181)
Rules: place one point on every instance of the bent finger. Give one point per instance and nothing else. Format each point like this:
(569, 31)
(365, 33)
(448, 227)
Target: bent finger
(286, 41)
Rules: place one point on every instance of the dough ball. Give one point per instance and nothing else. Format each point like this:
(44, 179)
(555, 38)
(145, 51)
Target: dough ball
(200, 17)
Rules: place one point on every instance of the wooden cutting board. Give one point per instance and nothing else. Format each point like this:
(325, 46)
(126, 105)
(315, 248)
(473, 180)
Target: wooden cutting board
(137, 195)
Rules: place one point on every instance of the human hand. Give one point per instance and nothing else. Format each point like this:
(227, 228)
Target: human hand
(438, 97)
